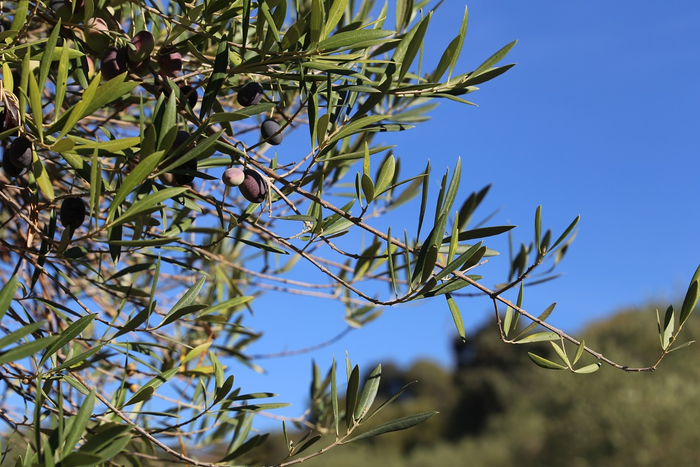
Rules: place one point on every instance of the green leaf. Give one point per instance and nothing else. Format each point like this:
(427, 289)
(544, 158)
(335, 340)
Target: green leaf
(351, 397)
(35, 105)
(482, 232)
(77, 360)
(394, 425)
(579, 351)
(42, 178)
(47, 56)
(147, 390)
(6, 294)
(20, 17)
(492, 60)
(456, 316)
(351, 38)
(146, 203)
(68, 335)
(386, 175)
(457, 263)
(561, 352)
(80, 421)
(544, 363)
(334, 398)
(538, 230)
(566, 233)
(111, 146)
(25, 350)
(134, 179)
(61, 83)
(187, 299)
(593, 367)
(545, 314)
(308, 443)
(335, 14)
(691, 298)
(316, 25)
(406, 53)
(108, 436)
(538, 337)
(218, 76)
(293, 34)
(369, 392)
(667, 327)
(20, 333)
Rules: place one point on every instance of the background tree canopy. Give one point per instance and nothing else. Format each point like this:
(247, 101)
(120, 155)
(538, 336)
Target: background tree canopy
(164, 165)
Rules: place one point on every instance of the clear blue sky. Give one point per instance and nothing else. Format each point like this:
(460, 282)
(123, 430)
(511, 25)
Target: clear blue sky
(599, 118)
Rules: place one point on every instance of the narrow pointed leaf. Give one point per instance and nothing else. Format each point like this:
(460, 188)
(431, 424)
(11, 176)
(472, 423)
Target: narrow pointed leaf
(395, 425)
(544, 363)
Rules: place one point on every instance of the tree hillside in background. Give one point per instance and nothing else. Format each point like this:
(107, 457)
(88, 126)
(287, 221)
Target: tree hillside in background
(496, 411)
(163, 165)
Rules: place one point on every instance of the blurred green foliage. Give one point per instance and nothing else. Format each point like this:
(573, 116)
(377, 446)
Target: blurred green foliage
(497, 409)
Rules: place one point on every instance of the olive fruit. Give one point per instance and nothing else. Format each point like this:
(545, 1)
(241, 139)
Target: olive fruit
(185, 178)
(20, 152)
(72, 212)
(9, 167)
(233, 176)
(188, 93)
(170, 61)
(250, 94)
(254, 186)
(139, 68)
(191, 165)
(7, 120)
(113, 62)
(97, 35)
(143, 44)
(75, 9)
(268, 128)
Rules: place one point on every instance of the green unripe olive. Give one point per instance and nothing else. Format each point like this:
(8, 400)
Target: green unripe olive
(144, 44)
(250, 94)
(20, 152)
(97, 35)
(233, 177)
(268, 128)
(254, 186)
(72, 214)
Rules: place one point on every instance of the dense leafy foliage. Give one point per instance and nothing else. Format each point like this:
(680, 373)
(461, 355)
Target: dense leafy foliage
(132, 253)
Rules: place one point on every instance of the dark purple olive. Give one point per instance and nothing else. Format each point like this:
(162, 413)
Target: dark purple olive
(174, 179)
(113, 62)
(20, 152)
(250, 94)
(72, 212)
(9, 167)
(144, 44)
(233, 176)
(188, 93)
(170, 61)
(140, 68)
(254, 186)
(7, 120)
(185, 178)
(268, 128)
